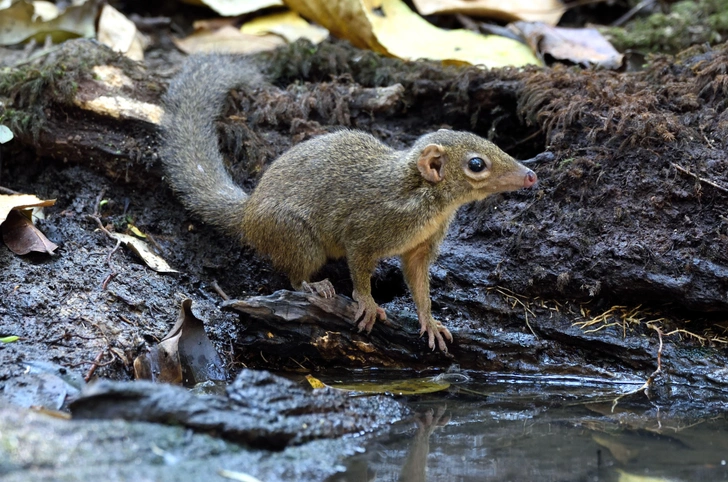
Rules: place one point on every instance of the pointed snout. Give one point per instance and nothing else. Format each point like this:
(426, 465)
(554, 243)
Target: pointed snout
(530, 178)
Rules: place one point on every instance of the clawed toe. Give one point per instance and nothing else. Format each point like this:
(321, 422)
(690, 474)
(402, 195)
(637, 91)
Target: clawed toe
(436, 331)
(367, 314)
(323, 288)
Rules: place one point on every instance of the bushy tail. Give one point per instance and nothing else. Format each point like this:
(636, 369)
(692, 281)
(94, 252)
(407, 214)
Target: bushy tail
(190, 153)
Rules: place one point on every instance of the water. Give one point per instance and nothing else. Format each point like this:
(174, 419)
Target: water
(505, 428)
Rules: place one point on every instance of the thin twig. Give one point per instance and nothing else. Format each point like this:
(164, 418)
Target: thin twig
(114, 271)
(706, 181)
(6, 190)
(512, 296)
(633, 11)
(219, 290)
(97, 363)
(99, 198)
(648, 383)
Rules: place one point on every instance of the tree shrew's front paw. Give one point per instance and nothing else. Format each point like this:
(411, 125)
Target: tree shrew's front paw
(367, 313)
(323, 288)
(435, 331)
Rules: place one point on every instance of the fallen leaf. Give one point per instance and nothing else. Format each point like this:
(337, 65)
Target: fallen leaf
(185, 355)
(9, 339)
(547, 11)
(120, 34)
(22, 237)
(161, 363)
(136, 231)
(231, 8)
(227, 39)
(289, 25)
(8, 202)
(20, 22)
(315, 382)
(142, 250)
(410, 386)
(397, 31)
(585, 46)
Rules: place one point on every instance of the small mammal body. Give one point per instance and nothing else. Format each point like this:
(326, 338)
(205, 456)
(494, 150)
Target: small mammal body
(343, 194)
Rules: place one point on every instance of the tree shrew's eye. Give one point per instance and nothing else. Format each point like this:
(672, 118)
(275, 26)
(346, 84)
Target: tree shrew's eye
(476, 164)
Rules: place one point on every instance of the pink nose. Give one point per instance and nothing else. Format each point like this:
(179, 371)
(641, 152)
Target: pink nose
(530, 179)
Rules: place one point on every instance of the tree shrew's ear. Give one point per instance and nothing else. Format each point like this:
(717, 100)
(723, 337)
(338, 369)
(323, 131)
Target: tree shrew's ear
(432, 162)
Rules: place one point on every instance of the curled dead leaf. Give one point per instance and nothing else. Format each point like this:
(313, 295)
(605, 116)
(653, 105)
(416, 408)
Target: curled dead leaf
(585, 46)
(185, 355)
(21, 236)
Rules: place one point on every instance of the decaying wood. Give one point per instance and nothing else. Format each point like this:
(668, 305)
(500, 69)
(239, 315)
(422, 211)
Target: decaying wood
(286, 319)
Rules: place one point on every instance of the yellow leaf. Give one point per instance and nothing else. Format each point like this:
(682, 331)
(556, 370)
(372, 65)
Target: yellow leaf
(314, 382)
(408, 36)
(136, 231)
(397, 31)
(344, 19)
(289, 25)
(410, 386)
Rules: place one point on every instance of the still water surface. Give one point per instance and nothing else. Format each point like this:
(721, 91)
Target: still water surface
(505, 428)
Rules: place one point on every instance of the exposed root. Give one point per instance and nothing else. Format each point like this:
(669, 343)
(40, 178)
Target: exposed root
(515, 300)
(650, 380)
(703, 180)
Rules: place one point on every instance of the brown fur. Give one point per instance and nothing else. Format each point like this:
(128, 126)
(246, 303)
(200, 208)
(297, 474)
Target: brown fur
(343, 194)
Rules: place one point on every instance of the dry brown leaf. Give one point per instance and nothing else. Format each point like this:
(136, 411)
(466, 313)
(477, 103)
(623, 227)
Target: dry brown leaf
(161, 363)
(227, 39)
(22, 237)
(185, 355)
(547, 11)
(585, 46)
(344, 19)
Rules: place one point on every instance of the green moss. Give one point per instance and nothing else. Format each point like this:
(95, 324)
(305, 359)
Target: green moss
(687, 23)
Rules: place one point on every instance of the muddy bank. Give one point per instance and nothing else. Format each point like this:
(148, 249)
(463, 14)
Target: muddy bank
(630, 212)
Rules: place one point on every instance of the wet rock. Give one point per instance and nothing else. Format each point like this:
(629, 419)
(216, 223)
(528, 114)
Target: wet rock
(37, 447)
(260, 409)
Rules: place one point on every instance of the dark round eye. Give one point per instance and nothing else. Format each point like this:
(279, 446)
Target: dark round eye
(477, 164)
